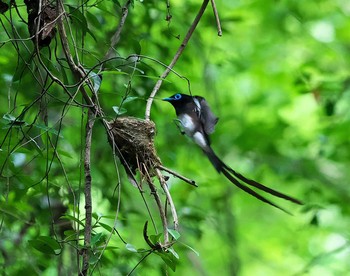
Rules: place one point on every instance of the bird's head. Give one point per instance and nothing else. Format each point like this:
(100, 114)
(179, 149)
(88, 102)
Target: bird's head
(178, 99)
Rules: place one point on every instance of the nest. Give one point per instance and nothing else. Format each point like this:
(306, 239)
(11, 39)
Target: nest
(134, 144)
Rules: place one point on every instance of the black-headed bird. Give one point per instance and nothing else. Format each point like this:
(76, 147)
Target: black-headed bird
(197, 121)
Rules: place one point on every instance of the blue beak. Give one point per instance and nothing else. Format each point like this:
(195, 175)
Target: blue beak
(168, 99)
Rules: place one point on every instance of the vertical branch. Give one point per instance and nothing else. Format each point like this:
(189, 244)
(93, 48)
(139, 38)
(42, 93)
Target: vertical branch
(160, 206)
(175, 59)
(116, 36)
(88, 200)
(169, 198)
(217, 19)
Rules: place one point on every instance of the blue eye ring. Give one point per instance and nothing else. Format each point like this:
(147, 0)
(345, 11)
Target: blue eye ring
(177, 97)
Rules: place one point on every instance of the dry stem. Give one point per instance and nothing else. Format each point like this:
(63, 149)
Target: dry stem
(175, 59)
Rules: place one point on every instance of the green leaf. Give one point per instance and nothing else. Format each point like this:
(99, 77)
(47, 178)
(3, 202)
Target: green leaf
(92, 18)
(22, 67)
(176, 235)
(93, 259)
(137, 46)
(117, 3)
(106, 226)
(70, 234)
(168, 259)
(65, 153)
(96, 80)
(45, 244)
(69, 217)
(13, 121)
(8, 117)
(111, 247)
(172, 251)
(48, 129)
(78, 18)
(130, 99)
(155, 238)
(119, 111)
(12, 211)
(114, 72)
(192, 249)
(96, 216)
(96, 238)
(130, 247)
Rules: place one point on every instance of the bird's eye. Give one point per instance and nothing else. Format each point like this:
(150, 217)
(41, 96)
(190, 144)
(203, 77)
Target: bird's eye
(177, 96)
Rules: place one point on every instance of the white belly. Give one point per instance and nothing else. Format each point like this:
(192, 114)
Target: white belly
(190, 130)
(187, 124)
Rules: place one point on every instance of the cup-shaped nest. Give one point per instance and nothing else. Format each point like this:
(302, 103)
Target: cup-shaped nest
(134, 144)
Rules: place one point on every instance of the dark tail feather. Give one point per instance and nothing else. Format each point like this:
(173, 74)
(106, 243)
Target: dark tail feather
(262, 187)
(226, 170)
(251, 192)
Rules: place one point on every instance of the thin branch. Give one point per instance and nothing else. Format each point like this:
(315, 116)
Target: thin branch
(169, 198)
(216, 14)
(88, 200)
(139, 262)
(159, 205)
(175, 59)
(116, 36)
(77, 70)
(187, 180)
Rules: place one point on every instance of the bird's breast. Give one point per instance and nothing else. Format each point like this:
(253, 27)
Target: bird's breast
(192, 130)
(187, 124)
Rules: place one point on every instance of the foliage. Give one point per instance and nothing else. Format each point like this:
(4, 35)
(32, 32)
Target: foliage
(278, 79)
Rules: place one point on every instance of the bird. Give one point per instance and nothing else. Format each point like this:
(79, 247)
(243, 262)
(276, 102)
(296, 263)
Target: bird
(197, 121)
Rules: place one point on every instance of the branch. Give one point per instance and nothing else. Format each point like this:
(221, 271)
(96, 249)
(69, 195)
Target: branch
(116, 37)
(175, 59)
(187, 180)
(88, 200)
(216, 14)
(159, 205)
(76, 69)
(169, 198)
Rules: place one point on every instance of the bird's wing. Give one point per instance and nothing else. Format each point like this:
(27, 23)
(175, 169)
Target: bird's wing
(208, 119)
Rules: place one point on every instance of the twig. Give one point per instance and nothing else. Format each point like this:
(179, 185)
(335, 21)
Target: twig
(175, 59)
(168, 14)
(169, 198)
(76, 69)
(159, 205)
(116, 36)
(187, 180)
(216, 14)
(88, 201)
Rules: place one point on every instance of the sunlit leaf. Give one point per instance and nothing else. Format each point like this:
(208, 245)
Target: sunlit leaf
(176, 235)
(118, 110)
(106, 226)
(130, 247)
(191, 248)
(96, 80)
(130, 99)
(172, 251)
